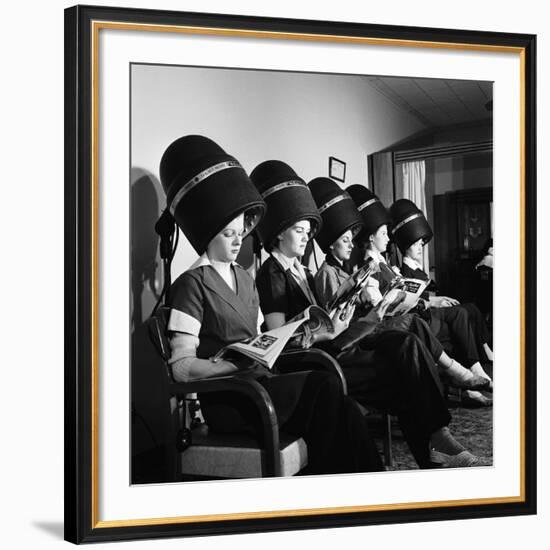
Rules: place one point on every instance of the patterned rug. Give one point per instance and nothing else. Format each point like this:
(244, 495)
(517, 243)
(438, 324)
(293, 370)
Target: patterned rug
(473, 427)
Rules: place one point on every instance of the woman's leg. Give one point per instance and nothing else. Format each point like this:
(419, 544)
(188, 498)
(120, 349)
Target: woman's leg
(334, 429)
(356, 451)
(423, 409)
(419, 327)
(480, 331)
(449, 451)
(229, 412)
(468, 379)
(401, 377)
(460, 331)
(460, 376)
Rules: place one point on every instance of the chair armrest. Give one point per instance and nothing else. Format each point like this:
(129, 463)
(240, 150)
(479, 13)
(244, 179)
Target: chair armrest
(253, 390)
(311, 359)
(250, 388)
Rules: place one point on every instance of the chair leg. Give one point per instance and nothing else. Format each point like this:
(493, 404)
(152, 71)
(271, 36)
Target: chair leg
(388, 454)
(447, 392)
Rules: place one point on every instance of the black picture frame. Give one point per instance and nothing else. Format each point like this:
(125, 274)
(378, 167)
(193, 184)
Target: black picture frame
(81, 301)
(337, 169)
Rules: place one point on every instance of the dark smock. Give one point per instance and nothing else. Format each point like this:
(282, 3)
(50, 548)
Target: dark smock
(331, 275)
(308, 404)
(392, 369)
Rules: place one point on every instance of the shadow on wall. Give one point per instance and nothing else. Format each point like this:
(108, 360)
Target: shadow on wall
(146, 196)
(149, 414)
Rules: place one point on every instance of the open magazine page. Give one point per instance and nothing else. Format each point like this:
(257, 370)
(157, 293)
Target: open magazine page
(402, 296)
(349, 291)
(267, 346)
(317, 324)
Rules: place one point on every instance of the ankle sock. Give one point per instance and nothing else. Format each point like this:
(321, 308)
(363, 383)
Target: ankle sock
(458, 372)
(478, 369)
(488, 351)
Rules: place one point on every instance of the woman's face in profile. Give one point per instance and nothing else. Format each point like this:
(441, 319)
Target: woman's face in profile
(415, 251)
(225, 246)
(293, 241)
(379, 240)
(342, 247)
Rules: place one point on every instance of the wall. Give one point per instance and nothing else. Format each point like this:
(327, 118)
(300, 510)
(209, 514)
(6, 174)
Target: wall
(458, 173)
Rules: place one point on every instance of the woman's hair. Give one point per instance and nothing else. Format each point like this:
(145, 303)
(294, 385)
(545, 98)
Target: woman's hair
(251, 217)
(275, 242)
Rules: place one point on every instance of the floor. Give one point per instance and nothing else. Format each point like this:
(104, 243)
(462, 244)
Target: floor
(473, 427)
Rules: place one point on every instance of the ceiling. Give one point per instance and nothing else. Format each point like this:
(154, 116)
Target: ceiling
(437, 102)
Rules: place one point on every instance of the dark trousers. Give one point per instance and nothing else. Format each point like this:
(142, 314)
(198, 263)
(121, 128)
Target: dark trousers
(394, 370)
(426, 335)
(452, 327)
(411, 322)
(479, 328)
(308, 404)
(333, 427)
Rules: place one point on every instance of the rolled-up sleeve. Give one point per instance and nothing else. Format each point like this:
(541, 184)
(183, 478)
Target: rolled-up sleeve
(186, 306)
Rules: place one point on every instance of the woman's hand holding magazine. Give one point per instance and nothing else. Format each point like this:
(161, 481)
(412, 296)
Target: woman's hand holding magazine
(376, 314)
(340, 317)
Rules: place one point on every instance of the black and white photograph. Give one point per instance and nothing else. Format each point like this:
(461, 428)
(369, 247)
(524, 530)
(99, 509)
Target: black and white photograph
(238, 226)
(275, 275)
(300, 274)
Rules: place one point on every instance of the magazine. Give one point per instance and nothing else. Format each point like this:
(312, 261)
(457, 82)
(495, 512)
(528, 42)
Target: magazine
(348, 292)
(299, 332)
(401, 297)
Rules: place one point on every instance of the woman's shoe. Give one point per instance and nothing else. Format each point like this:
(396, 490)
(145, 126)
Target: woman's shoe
(465, 459)
(475, 399)
(474, 383)
(478, 370)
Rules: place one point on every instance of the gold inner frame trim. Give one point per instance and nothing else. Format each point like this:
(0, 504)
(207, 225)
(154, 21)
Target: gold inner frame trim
(213, 31)
(303, 512)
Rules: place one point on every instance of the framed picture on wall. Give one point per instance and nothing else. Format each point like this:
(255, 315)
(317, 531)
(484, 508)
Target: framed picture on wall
(337, 169)
(158, 111)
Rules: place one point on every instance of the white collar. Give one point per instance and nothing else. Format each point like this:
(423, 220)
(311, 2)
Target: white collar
(413, 264)
(285, 261)
(375, 255)
(203, 260)
(297, 271)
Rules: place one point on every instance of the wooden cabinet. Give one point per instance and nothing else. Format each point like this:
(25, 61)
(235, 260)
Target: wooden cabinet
(462, 229)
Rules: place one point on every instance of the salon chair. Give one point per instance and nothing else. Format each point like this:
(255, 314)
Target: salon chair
(194, 452)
